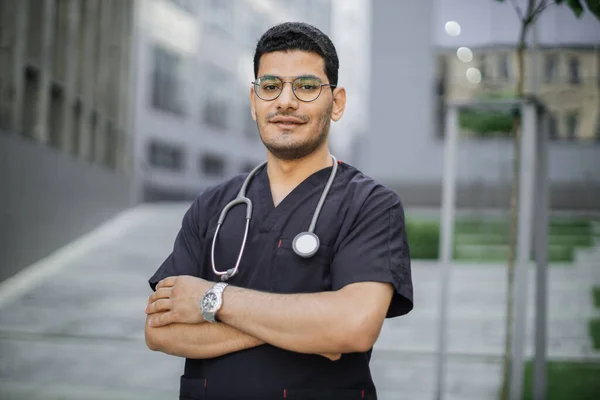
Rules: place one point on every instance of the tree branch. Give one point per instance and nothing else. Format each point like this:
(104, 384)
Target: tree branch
(541, 7)
(517, 9)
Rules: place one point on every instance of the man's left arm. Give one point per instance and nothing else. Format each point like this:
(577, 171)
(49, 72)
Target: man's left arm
(345, 321)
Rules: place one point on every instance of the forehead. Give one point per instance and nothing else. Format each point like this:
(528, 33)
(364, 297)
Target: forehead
(292, 63)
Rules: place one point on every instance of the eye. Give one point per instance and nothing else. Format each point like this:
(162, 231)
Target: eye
(307, 85)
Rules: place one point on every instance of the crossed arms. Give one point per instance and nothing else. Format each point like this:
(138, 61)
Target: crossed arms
(327, 323)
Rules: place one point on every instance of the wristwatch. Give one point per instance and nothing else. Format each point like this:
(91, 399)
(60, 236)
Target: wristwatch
(212, 301)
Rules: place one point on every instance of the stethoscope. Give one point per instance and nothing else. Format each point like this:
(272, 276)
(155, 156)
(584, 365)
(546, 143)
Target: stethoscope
(305, 244)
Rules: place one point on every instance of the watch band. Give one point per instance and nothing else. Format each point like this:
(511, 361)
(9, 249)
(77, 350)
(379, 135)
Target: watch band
(217, 289)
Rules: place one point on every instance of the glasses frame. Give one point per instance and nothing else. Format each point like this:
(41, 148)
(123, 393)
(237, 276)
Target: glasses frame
(257, 82)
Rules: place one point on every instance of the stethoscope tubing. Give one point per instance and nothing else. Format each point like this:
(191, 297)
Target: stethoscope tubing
(242, 199)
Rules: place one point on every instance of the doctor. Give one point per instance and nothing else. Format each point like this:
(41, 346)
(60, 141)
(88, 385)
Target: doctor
(284, 294)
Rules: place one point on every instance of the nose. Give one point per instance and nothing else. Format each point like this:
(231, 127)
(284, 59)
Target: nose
(287, 99)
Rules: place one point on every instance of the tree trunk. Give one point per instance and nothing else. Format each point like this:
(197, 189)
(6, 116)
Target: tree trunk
(514, 206)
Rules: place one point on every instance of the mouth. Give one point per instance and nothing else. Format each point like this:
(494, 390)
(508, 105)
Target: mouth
(287, 122)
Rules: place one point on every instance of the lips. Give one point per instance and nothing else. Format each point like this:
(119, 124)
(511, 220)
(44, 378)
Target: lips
(287, 121)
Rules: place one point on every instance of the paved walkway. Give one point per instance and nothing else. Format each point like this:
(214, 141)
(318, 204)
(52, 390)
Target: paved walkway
(71, 326)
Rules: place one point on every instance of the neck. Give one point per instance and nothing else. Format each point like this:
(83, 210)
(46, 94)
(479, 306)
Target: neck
(284, 173)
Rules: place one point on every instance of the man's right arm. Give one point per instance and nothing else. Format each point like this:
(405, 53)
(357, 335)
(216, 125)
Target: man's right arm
(200, 341)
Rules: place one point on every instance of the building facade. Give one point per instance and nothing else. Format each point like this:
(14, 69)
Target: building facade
(194, 74)
(65, 76)
(65, 132)
(569, 83)
(350, 32)
(418, 65)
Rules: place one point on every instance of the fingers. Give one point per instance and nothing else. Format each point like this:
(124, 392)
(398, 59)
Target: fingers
(158, 306)
(167, 282)
(162, 293)
(159, 320)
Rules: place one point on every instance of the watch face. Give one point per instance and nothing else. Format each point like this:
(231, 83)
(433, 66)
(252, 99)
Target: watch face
(210, 302)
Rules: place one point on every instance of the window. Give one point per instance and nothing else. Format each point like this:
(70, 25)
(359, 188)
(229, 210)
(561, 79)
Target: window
(165, 156)
(59, 54)
(483, 66)
(76, 127)
(550, 67)
(167, 82)
(212, 165)
(55, 116)
(552, 127)
(504, 67)
(217, 91)
(574, 73)
(572, 122)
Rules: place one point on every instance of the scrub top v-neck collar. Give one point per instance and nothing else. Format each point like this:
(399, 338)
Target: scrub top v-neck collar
(269, 214)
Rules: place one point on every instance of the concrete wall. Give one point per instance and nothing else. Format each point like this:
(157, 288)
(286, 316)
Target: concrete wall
(48, 199)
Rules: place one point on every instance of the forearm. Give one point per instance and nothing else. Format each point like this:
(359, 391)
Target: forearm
(205, 340)
(306, 323)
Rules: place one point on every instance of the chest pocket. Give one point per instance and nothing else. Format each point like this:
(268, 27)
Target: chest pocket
(295, 274)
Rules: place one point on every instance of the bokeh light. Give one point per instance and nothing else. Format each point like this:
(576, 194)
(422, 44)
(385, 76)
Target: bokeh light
(474, 75)
(464, 54)
(453, 28)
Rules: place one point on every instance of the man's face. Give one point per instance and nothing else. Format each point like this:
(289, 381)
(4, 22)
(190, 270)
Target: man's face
(290, 128)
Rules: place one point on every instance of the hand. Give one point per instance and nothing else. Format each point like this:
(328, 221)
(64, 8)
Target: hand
(177, 300)
(332, 356)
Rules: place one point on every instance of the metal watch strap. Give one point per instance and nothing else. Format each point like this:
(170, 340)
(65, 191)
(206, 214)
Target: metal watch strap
(218, 290)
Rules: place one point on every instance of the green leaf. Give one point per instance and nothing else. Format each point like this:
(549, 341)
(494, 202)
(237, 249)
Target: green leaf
(576, 6)
(559, 1)
(594, 7)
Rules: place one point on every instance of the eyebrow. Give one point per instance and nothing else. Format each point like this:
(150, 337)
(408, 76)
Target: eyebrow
(293, 77)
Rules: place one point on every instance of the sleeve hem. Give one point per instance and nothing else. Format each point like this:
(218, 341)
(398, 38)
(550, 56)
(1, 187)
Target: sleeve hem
(155, 279)
(402, 300)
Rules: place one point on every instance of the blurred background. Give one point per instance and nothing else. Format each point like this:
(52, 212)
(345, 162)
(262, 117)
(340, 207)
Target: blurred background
(115, 114)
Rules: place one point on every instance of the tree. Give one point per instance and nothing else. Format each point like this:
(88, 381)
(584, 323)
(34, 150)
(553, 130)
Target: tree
(527, 17)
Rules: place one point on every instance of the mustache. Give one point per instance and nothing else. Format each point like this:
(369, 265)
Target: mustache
(303, 118)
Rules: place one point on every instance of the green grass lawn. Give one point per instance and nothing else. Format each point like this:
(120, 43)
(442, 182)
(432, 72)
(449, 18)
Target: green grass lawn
(567, 381)
(487, 239)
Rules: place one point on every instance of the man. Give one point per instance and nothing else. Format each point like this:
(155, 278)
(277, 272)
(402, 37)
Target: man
(290, 323)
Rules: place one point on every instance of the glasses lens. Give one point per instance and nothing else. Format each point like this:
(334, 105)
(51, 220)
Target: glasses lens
(307, 88)
(268, 88)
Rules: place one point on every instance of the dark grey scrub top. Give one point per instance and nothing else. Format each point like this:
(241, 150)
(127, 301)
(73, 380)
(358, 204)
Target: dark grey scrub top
(362, 234)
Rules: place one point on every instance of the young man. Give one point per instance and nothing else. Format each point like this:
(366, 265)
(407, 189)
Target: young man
(292, 316)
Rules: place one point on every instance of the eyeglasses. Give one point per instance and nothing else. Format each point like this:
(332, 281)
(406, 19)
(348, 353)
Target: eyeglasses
(305, 88)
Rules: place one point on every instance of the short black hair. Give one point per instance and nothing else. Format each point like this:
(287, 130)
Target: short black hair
(290, 36)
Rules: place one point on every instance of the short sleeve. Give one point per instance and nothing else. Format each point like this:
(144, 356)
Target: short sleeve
(187, 249)
(376, 249)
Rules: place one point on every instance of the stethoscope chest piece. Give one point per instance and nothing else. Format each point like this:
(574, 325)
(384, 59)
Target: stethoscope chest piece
(306, 244)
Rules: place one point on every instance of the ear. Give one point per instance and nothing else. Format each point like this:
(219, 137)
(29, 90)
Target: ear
(252, 103)
(339, 103)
